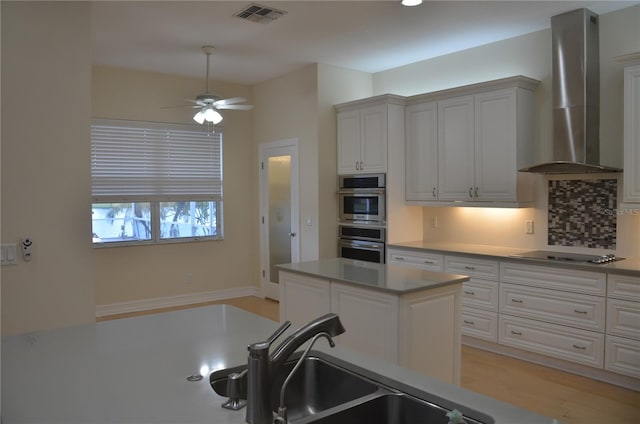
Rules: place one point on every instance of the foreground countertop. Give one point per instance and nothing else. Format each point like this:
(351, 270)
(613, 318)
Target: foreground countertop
(134, 371)
(390, 278)
(628, 266)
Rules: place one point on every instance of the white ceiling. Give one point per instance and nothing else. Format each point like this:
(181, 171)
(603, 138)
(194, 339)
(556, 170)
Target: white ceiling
(370, 36)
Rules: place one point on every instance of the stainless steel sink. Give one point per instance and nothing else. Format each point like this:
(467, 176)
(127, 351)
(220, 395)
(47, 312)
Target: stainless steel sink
(317, 386)
(391, 408)
(327, 390)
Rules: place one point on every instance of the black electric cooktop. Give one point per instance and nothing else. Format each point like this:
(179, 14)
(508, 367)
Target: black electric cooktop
(568, 257)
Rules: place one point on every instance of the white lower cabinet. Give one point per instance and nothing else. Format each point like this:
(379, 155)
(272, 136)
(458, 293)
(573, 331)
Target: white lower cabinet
(571, 344)
(571, 309)
(480, 324)
(422, 260)
(418, 330)
(303, 298)
(479, 295)
(622, 351)
(367, 315)
(622, 356)
(553, 311)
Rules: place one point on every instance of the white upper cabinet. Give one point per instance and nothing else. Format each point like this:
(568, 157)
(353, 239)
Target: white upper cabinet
(363, 134)
(421, 149)
(631, 175)
(465, 145)
(455, 149)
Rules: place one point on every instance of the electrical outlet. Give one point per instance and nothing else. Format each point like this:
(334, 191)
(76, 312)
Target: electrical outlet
(434, 222)
(189, 278)
(528, 227)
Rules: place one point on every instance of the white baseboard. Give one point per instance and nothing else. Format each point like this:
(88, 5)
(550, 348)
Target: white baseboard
(178, 300)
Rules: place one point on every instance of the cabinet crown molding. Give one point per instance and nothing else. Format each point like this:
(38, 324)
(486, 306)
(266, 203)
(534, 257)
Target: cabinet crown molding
(372, 101)
(519, 81)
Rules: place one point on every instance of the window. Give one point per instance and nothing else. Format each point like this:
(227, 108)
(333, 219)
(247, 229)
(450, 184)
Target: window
(154, 183)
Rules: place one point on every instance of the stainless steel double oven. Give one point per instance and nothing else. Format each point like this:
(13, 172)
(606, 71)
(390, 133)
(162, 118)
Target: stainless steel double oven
(361, 230)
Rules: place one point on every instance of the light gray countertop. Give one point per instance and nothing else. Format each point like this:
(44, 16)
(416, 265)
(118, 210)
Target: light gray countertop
(134, 371)
(629, 266)
(390, 278)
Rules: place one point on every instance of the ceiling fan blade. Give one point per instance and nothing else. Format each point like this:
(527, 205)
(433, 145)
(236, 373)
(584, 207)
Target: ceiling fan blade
(230, 101)
(180, 106)
(235, 107)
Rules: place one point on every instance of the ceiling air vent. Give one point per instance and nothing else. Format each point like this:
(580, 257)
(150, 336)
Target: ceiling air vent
(258, 13)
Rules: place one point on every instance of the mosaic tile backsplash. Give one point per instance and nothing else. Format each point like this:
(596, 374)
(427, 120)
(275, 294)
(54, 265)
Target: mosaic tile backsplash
(582, 213)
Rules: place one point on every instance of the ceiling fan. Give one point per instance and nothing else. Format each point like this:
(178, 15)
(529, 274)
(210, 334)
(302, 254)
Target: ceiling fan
(209, 104)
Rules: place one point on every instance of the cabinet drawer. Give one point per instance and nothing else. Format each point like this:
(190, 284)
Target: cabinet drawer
(623, 318)
(480, 324)
(577, 310)
(623, 287)
(554, 278)
(428, 261)
(480, 294)
(476, 268)
(571, 344)
(622, 356)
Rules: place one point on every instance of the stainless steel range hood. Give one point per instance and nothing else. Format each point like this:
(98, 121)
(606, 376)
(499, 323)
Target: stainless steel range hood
(576, 96)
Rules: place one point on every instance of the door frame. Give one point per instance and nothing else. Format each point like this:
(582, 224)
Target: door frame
(265, 150)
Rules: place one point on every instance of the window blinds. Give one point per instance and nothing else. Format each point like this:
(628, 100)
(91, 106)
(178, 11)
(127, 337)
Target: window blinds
(144, 161)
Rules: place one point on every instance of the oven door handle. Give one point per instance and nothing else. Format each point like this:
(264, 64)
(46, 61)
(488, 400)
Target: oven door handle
(361, 191)
(362, 245)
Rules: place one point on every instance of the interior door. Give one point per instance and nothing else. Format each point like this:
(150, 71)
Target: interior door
(279, 211)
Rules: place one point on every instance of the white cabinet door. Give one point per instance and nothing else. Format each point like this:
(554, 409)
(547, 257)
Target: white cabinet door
(581, 346)
(631, 173)
(456, 150)
(415, 259)
(370, 319)
(622, 356)
(421, 150)
(373, 143)
(303, 298)
(480, 324)
(495, 146)
(430, 338)
(348, 126)
(623, 318)
(362, 140)
(564, 308)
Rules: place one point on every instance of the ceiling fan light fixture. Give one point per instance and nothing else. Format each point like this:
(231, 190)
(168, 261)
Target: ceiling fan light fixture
(199, 117)
(212, 115)
(411, 2)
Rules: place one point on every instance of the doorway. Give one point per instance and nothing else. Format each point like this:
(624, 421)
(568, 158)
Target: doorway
(279, 211)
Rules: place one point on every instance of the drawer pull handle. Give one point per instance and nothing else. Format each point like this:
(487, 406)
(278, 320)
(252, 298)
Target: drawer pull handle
(399, 258)
(471, 268)
(517, 301)
(469, 292)
(429, 262)
(469, 322)
(580, 312)
(517, 333)
(580, 347)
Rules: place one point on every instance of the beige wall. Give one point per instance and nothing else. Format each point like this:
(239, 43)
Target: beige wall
(285, 108)
(528, 55)
(46, 184)
(124, 274)
(335, 85)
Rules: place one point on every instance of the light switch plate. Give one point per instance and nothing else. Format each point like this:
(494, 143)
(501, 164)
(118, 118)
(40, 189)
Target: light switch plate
(8, 252)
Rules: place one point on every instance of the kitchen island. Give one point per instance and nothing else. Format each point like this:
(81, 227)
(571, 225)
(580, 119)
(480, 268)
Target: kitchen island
(134, 371)
(406, 316)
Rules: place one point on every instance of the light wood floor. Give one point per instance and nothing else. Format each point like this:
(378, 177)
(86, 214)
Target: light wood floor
(569, 398)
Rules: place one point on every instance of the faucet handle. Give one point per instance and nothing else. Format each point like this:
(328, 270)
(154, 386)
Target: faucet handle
(262, 348)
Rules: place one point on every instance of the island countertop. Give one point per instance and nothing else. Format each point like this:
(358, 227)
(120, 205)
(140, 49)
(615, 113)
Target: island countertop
(134, 371)
(390, 278)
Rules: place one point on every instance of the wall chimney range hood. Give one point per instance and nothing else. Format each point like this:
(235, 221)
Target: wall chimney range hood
(576, 96)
